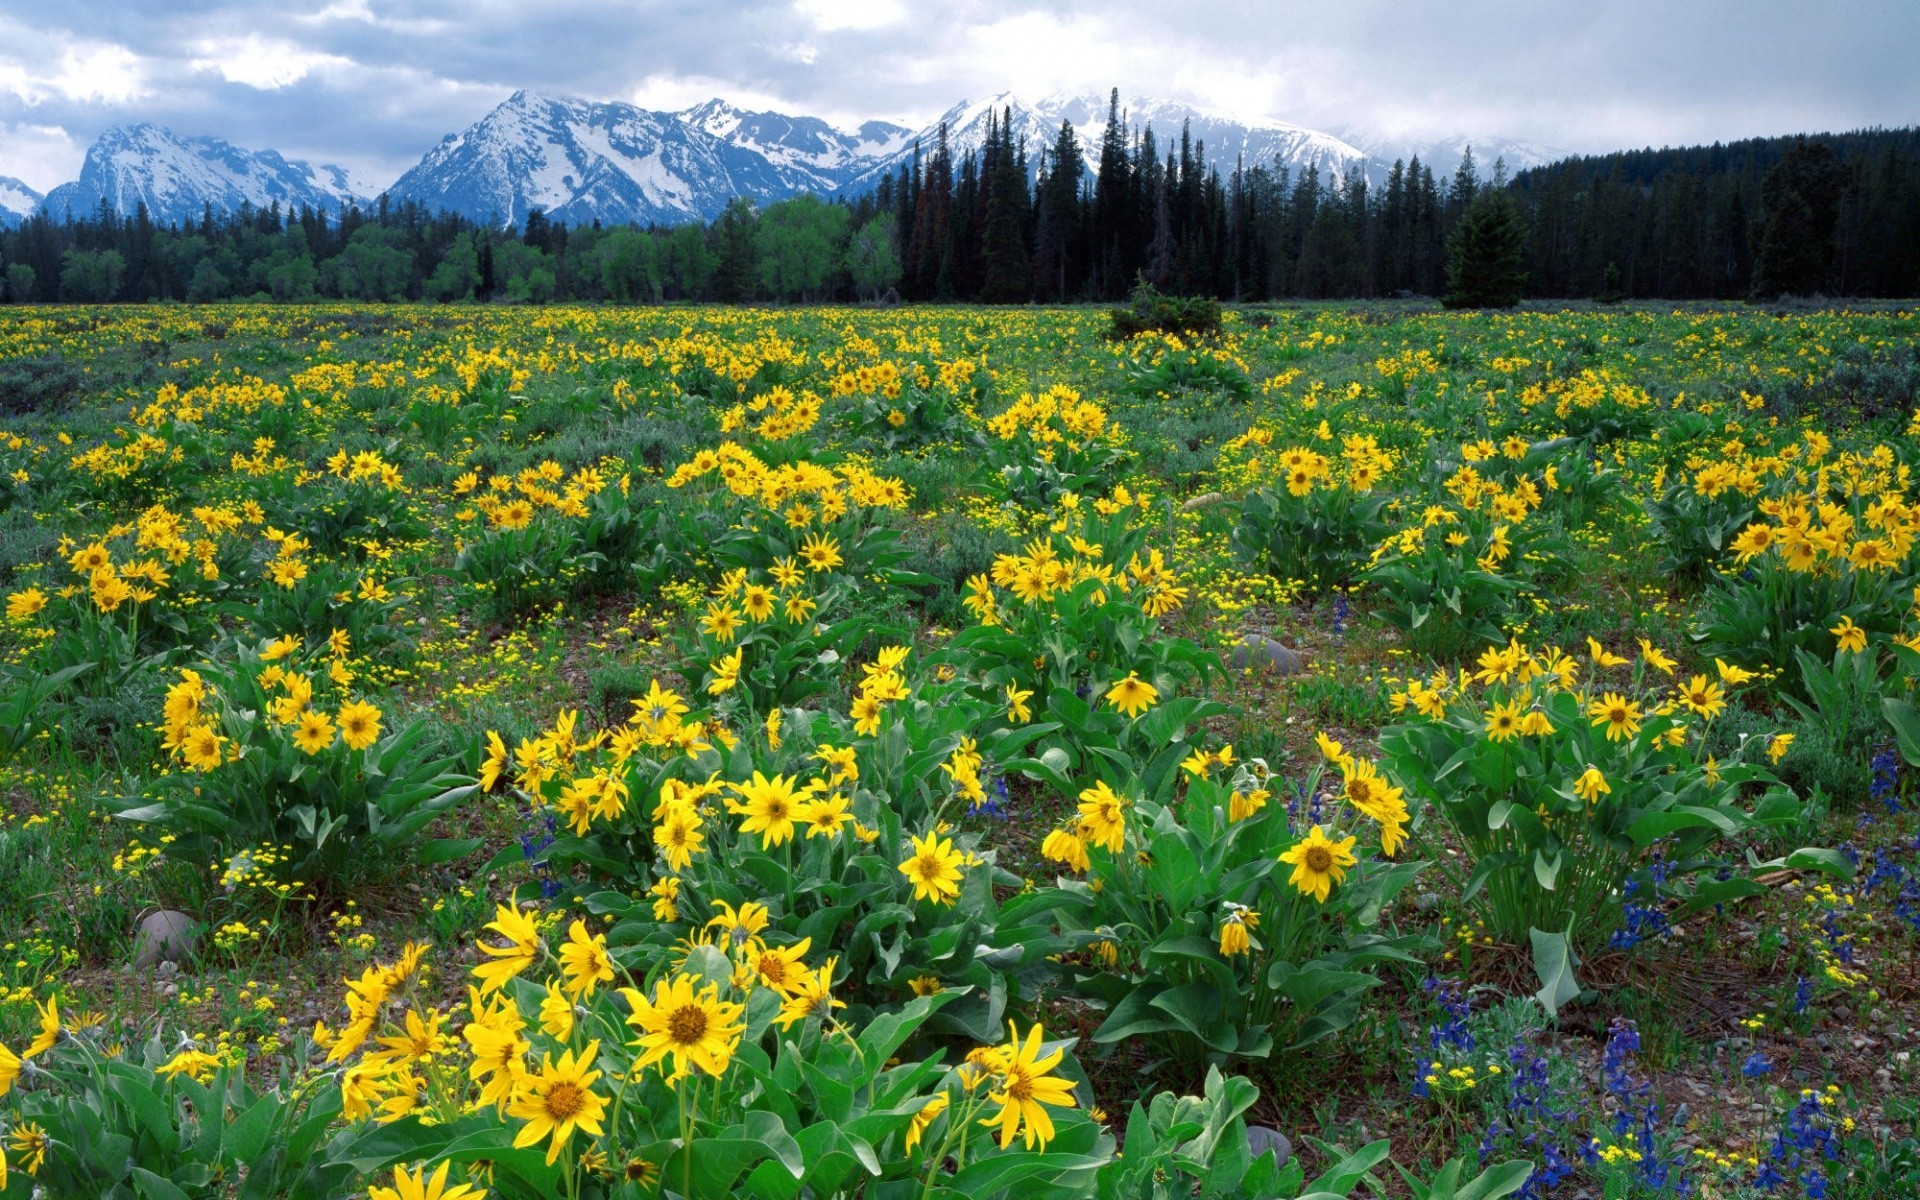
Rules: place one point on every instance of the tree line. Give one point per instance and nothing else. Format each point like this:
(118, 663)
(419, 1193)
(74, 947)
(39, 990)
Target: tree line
(1013, 223)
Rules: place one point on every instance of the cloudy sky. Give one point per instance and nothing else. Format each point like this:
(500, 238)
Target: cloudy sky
(372, 84)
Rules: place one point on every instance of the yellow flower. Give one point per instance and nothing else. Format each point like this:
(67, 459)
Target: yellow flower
(820, 552)
(1103, 817)
(584, 961)
(556, 1014)
(1703, 697)
(726, 672)
(1503, 721)
(1234, 939)
(813, 993)
(523, 938)
(9, 1069)
(928, 1113)
(559, 1100)
(1654, 658)
(202, 748)
(49, 1029)
(694, 1028)
(1620, 716)
(769, 805)
(1133, 695)
(779, 967)
(1591, 785)
(195, 1064)
(1332, 750)
(417, 1185)
(826, 816)
(934, 869)
(1776, 750)
(1853, 639)
(1318, 863)
(1066, 848)
(678, 836)
(30, 1143)
(721, 623)
(1017, 710)
(1732, 675)
(315, 732)
(359, 724)
(1025, 1086)
(1602, 656)
(24, 604)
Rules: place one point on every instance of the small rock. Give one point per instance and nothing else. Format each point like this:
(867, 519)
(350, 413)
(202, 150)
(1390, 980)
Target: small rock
(1426, 901)
(1203, 500)
(1261, 1139)
(1261, 653)
(164, 936)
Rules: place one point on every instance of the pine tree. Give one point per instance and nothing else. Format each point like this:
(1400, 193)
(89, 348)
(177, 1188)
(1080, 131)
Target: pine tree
(1007, 275)
(1799, 209)
(1487, 255)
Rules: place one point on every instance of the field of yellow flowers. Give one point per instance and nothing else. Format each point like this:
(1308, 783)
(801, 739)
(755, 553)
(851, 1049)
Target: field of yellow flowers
(460, 752)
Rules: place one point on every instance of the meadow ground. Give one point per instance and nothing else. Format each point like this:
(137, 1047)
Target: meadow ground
(1435, 736)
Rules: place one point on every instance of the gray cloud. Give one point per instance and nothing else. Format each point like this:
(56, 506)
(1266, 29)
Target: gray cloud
(372, 84)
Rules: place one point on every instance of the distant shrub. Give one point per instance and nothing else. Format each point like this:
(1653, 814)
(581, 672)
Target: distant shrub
(1151, 312)
(38, 384)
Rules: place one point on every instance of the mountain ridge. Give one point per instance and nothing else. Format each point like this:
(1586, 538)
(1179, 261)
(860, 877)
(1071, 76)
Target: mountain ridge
(579, 160)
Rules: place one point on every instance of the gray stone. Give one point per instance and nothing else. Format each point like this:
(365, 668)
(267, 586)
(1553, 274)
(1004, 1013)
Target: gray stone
(1203, 500)
(165, 936)
(1261, 1139)
(1261, 653)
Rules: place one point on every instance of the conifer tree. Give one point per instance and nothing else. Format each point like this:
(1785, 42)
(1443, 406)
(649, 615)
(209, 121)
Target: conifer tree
(1487, 255)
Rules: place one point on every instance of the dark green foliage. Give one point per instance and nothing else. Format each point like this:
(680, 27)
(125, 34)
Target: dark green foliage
(1865, 382)
(1800, 206)
(1012, 221)
(1487, 255)
(39, 384)
(1151, 312)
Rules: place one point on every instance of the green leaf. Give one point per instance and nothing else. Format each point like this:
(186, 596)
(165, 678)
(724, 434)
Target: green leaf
(1495, 1182)
(442, 850)
(1827, 862)
(1553, 962)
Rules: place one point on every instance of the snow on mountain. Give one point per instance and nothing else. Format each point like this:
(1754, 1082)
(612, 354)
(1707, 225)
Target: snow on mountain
(580, 161)
(1441, 153)
(1225, 139)
(177, 177)
(17, 201)
(801, 144)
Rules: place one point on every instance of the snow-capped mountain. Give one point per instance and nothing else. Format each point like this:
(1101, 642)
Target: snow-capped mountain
(579, 161)
(1441, 153)
(177, 177)
(16, 201)
(805, 144)
(1224, 139)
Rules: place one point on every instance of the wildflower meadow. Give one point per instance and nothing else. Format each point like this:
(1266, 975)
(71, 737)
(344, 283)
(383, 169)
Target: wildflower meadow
(463, 751)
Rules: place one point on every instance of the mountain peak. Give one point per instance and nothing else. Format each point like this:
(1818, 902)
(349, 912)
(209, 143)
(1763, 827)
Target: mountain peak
(581, 160)
(176, 177)
(17, 201)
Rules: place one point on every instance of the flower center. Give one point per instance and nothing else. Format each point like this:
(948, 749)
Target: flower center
(687, 1024)
(563, 1101)
(1019, 1087)
(1319, 858)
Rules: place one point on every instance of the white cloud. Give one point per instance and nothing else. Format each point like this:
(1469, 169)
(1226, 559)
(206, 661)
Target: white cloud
(264, 63)
(37, 67)
(41, 156)
(829, 15)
